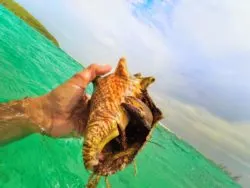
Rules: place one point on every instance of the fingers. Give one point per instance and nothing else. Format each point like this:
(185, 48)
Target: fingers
(98, 70)
(68, 95)
(83, 78)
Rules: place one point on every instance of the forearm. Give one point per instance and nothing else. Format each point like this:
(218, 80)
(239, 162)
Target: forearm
(15, 123)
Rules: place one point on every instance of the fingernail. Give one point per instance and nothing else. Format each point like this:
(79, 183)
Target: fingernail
(103, 64)
(109, 67)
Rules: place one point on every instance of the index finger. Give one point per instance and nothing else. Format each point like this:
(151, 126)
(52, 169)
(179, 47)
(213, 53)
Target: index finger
(83, 78)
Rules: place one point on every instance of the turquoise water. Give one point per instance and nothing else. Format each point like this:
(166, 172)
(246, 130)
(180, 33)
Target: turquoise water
(31, 65)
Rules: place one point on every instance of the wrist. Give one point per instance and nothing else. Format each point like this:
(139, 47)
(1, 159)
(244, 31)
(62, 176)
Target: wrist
(37, 112)
(14, 123)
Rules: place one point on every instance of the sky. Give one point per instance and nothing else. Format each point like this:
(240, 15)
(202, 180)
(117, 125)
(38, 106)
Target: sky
(198, 50)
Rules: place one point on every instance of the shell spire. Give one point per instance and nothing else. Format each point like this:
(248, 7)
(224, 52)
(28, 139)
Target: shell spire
(121, 69)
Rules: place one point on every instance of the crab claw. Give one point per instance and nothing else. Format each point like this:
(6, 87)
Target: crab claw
(139, 111)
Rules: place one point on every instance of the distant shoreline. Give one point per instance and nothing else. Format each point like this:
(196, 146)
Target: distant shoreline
(23, 14)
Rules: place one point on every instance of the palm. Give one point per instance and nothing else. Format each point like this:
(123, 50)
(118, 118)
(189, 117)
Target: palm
(68, 108)
(65, 108)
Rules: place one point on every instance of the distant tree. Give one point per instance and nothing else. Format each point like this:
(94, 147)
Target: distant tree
(226, 170)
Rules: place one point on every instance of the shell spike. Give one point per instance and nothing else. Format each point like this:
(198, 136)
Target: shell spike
(121, 68)
(146, 81)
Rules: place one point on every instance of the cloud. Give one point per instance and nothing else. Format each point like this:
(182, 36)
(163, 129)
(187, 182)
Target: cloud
(218, 27)
(211, 44)
(93, 32)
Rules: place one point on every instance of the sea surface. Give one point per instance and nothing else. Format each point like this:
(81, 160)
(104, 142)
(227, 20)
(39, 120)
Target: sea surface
(30, 65)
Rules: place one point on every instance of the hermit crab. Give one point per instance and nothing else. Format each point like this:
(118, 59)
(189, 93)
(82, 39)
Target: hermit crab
(121, 118)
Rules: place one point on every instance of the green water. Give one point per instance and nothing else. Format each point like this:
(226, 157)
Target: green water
(31, 65)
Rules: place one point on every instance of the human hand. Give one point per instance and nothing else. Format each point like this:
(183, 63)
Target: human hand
(64, 109)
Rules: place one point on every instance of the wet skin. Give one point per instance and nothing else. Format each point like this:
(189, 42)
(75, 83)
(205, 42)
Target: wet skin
(58, 113)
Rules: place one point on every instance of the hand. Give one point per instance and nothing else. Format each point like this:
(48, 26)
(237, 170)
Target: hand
(64, 109)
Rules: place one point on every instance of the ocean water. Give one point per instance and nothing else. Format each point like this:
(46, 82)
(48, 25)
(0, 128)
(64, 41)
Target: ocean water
(30, 65)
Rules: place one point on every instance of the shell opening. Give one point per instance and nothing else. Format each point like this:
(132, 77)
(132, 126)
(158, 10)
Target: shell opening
(121, 150)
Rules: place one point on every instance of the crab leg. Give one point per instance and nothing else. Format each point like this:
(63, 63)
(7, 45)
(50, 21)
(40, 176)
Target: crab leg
(93, 181)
